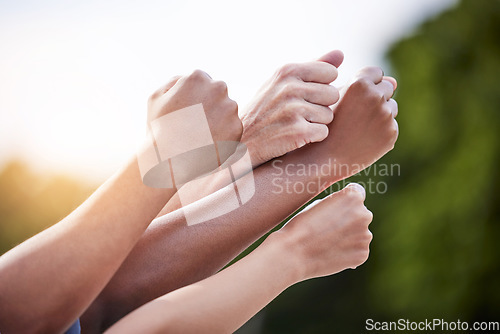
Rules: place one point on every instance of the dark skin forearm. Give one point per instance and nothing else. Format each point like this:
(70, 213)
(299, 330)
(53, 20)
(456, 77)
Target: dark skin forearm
(172, 254)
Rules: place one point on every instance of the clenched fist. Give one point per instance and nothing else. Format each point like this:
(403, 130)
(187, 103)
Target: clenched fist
(364, 126)
(184, 91)
(331, 235)
(291, 109)
(193, 127)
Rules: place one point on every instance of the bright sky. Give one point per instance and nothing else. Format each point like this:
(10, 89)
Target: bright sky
(75, 76)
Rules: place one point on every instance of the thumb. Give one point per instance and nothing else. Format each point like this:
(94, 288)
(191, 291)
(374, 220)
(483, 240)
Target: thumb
(392, 81)
(335, 57)
(167, 86)
(356, 187)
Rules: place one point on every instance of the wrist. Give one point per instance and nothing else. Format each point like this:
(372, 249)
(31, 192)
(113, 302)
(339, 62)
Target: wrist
(312, 166)
(287, 256)
(253, 151)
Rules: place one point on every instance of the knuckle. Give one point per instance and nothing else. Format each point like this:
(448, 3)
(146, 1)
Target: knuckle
(334, 72)
(386, 112)
(365, 255)
(394, 130)
(328, 114)
(362, 83)
(394, 133)
(220, 86)
(360, 257)
(230, 108)
(286, 70)
(361, 216)
(368, 216)
(320, 134)
(334, 93)
(288, 91)
(355, 196)
(369, 236)
(365, 217)
(375, 96)
(152, 98)
(301, 129)
(381, 97)
(395, 109)
(233, 106)
(371, 69)
(302, 134)
(238, 128)
(395, 105)
(376, 69)
(303, 111)
(197, 75)
(291, 114)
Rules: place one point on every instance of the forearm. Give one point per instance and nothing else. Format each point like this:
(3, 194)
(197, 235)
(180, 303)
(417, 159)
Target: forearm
(329, 237)
(49, 280)
(171, 254)
(221, 303)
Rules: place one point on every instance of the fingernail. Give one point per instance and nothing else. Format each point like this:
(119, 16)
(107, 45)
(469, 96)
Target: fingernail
(356, 187)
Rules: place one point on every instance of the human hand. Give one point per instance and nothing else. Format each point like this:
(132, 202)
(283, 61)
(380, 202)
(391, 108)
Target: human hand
(330, 235)
(184, 91)
(193, 128)
(291, 109)
(364, 128)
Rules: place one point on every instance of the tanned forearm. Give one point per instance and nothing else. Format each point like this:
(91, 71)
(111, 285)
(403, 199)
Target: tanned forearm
(48, 281)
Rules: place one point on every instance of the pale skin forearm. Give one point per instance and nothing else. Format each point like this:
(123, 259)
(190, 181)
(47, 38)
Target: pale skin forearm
(221, 303)
(49, 280)
(171, 254)
(330, 236)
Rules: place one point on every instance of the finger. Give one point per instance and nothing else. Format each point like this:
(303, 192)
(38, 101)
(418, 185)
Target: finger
(318, 114)
(392, 107)
(354, 187)
(198, 73)
(372, 73)
(170, 83)
(321, 94)
(315, 71)
(357, 188)
(386, 88)
(369, 221)
(335, 58)
(392, 81)
(317, 132)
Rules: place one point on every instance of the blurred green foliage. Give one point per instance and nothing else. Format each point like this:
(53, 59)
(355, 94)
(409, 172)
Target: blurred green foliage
(31, 202)
(436, 251)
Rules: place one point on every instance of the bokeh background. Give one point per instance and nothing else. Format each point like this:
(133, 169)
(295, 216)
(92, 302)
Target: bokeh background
(74, 79)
